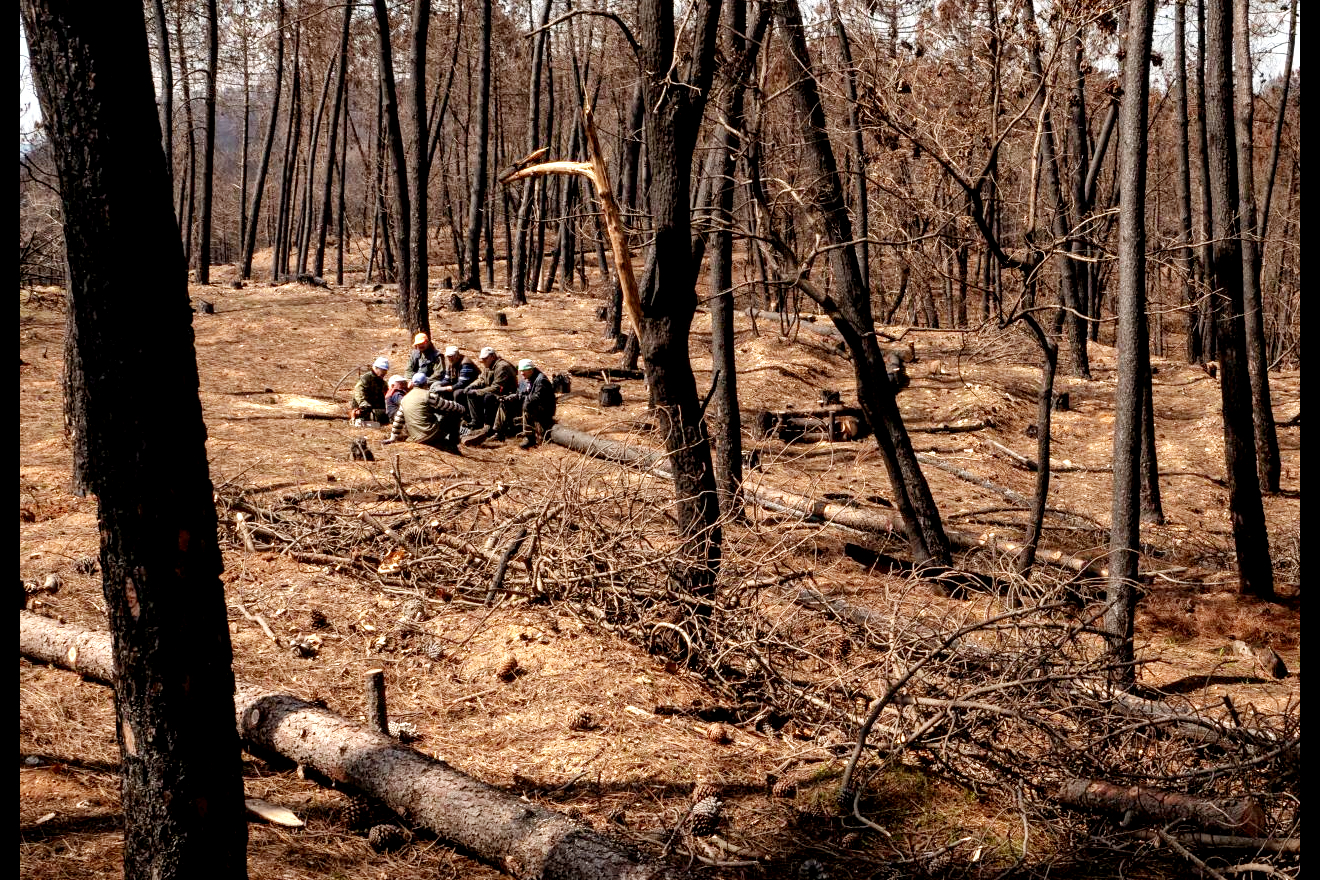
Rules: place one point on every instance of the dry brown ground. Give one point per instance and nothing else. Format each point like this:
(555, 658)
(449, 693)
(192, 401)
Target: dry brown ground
(271, 353)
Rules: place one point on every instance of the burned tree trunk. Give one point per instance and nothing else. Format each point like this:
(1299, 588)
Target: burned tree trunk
(851, 312)
(522, 839)
(249, 243)
(182, 788)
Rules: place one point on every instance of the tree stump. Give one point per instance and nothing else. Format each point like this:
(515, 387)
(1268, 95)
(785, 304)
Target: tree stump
(1062, 402)
(828, 397)
(361, 451)
(611, 395)
(602, 313)
(501, 319)
(455, 303)
(561, 383)
(448, 282)
(204, 308)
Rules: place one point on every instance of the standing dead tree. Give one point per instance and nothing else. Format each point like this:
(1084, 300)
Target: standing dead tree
(182, 788)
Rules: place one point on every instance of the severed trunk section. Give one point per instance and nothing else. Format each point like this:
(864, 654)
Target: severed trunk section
(518, 837)
(1240, 816)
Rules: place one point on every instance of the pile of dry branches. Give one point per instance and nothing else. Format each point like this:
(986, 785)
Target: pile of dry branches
(1010, 703)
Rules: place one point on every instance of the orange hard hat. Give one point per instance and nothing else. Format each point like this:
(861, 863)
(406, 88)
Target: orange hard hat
(421, 339)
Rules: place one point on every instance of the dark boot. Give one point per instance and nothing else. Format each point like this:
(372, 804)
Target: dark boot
(476, 436)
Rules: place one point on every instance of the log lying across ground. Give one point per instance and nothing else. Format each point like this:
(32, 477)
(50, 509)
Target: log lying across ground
(1238, 816)
(520, 838)
(873, 522)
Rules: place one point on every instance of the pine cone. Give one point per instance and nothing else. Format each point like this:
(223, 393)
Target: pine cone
(412, 611)
(318, 620)
(705, 817)
(812, 870)
(305, 646)
(85, 565)
(360, 812)
(705, 789)
(404, 731)
(719, 733)
(433, 649)
(583, 721)
(508, 667)
(790, 782)
(386, 838)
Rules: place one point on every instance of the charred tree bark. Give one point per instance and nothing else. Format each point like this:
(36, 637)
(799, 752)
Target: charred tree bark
(208, 144)
(1209, 335)
(188, 186)
(1073, 307)
(1044, 414)
(306, 210)
(1133, 354)
(727, 454)
(1182, 180)
(518, 283)
(417, 274)
(673, 116)
(166, 88)
(399, 167)
(1258, 366)
(182, 787)
(477, 196)
(519, 838)
(327, 191)
(1255, 574)
(250, 240)
(851, 313)
(279, 264)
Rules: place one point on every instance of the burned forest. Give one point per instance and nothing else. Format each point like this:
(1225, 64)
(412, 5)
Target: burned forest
(653, 440)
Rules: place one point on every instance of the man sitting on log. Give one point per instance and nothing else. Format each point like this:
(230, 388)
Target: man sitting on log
(425, 416)
(533, 405)
(482, 397)
(369, 393)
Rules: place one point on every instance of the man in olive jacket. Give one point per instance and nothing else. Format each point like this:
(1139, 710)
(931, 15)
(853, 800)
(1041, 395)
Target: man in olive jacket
(369, 393)
(482, 397)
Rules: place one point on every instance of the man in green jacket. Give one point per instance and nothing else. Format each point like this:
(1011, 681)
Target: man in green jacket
(369, 393)
(482, 397)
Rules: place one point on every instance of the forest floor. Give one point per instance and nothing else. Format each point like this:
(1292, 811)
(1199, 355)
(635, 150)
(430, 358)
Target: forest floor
(270, 354)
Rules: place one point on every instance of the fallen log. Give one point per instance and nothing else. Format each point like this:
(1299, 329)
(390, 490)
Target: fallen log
(1292, 845)
(962, 427)
(1242, 816)
(873, 521)
(830, 424)
(518, 837)
(1188, 724)
(612, 374)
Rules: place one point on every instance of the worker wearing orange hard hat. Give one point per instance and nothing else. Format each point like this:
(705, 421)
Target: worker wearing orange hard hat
(426, 358)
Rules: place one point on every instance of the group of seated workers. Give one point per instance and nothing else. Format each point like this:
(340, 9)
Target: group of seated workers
(447, 397)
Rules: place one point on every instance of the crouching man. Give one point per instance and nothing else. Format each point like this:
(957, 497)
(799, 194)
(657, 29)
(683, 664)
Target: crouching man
(425, 416)
(534, 402)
